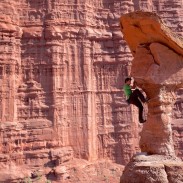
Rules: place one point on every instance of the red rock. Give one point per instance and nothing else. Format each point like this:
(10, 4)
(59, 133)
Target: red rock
(62, 67)
(11, 172)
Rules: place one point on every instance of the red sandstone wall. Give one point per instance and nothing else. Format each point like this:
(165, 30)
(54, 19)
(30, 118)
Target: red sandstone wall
(62, 65)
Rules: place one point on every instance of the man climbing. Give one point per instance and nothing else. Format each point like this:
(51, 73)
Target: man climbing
(134, 97)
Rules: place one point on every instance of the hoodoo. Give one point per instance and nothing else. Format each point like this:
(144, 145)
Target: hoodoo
(157, 68)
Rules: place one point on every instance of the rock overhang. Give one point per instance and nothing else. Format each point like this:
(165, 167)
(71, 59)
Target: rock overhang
(157, 51)
(141, 28)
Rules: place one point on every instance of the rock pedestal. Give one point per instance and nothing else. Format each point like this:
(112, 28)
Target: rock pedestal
(152, 169)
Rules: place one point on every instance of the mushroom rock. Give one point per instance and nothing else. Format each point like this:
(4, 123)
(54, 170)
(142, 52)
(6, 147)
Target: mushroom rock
(157, 68)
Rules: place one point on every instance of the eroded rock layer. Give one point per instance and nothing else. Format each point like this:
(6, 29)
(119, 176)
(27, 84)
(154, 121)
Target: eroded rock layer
(62, 65)
(155, 168)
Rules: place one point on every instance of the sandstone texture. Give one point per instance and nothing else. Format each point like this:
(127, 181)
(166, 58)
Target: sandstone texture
(75, 170)
(152, 169)
(62, 67)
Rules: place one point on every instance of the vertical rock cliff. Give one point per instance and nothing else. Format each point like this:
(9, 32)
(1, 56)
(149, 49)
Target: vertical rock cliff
(62, 67)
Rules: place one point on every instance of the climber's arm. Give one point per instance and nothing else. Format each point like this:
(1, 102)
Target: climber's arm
(134, 85)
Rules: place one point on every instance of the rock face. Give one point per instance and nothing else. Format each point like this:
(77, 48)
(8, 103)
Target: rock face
(62, 66)
(158, 68)
(60, 87)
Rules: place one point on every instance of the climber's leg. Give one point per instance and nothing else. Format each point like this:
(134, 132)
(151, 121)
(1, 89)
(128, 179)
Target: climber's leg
(138, 93)
(135, 101)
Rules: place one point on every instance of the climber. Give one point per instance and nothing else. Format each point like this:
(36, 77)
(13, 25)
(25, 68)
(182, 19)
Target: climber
(135, 97)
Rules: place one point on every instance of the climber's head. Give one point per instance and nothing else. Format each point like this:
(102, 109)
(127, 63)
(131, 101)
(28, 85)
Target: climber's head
(128, 80)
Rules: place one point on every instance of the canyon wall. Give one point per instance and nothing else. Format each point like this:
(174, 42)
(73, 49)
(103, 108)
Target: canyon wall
(62, 67)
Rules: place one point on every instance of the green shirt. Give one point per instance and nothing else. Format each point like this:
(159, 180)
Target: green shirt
(127, 90)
